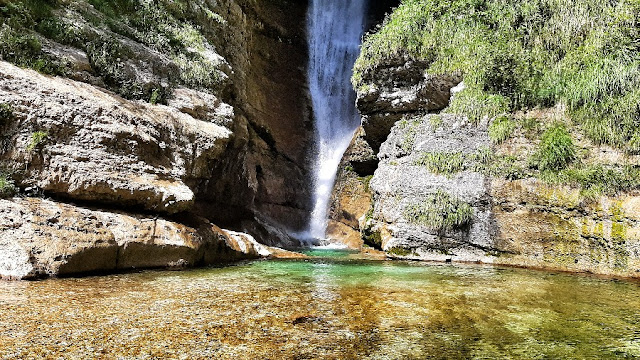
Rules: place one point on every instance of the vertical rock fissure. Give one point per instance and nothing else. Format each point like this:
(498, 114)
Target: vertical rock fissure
(335, 29)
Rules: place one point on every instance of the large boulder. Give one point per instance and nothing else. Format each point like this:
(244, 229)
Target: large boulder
(410, 199)
(73, 139)
(40, 238)
(397, 88)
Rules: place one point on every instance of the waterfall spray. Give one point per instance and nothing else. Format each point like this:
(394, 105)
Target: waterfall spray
(335, 28)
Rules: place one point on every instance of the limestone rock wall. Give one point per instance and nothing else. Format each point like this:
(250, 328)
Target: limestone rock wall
(397, 91)
(402, 182)
(266, 175)
(40, 238)
(442, 191)
(129, 132)
(75, 141)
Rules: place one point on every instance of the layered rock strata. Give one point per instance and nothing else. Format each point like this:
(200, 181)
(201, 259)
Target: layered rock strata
(399, 89)
(221, 135)
(41, 238)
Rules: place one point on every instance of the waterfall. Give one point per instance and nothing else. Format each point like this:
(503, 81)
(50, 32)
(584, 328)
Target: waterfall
(334, 28)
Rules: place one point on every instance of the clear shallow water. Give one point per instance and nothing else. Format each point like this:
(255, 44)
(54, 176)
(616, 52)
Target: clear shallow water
(324, 308)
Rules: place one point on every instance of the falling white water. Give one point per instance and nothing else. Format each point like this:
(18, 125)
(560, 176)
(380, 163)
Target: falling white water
(335, 28)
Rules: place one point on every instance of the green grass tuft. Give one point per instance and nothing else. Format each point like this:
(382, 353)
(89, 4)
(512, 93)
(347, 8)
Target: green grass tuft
(501, 129)
(556, 150)
(410, 128)
(442, 163)
(597, 179)
(436, 122)
(440, 212)
(37, 138)
(7, 186)
(6, 113)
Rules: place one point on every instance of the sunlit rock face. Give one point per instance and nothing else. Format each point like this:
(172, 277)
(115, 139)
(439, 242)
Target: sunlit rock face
(40, 238)
(398, 90)
(401, 183)
(230, 145)
(101, 148)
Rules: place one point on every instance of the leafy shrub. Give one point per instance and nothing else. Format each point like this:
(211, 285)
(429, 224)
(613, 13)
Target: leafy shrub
(37, 138)
(26, 50)
(6, 113)
(7, 186)
(556, 150)
(20, 45)
(155, 96)
(173, 29)
(440, 212)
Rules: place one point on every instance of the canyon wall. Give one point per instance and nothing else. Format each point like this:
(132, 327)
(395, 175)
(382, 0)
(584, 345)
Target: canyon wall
(176, 115)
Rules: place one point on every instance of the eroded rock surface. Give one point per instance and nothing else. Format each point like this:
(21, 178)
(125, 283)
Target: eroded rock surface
(264, 179)
(41, 238)
(402, 182)
(556, 227)
(398, 88)
(230, 143)
(441, 190)
(72, 139)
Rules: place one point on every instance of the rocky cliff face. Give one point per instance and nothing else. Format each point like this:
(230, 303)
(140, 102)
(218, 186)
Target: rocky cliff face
(197, 116)
(442, 190)
(74, 141)
(266, 173)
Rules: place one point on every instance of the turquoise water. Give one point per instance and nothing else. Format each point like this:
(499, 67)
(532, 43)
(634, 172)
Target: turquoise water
(334, 306)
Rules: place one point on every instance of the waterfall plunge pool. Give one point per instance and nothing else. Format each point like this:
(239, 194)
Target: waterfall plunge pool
(332, 306)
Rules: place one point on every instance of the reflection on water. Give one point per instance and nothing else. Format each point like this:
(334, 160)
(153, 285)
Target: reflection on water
(323, 308)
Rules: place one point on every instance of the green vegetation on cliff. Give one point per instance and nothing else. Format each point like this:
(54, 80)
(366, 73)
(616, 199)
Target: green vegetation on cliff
(6, 113)
(440, 212)
(37, 138)
(501, 129)
(442, 162)
(141, 49)
(7, 186)
(556, 150)
(514, 55)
